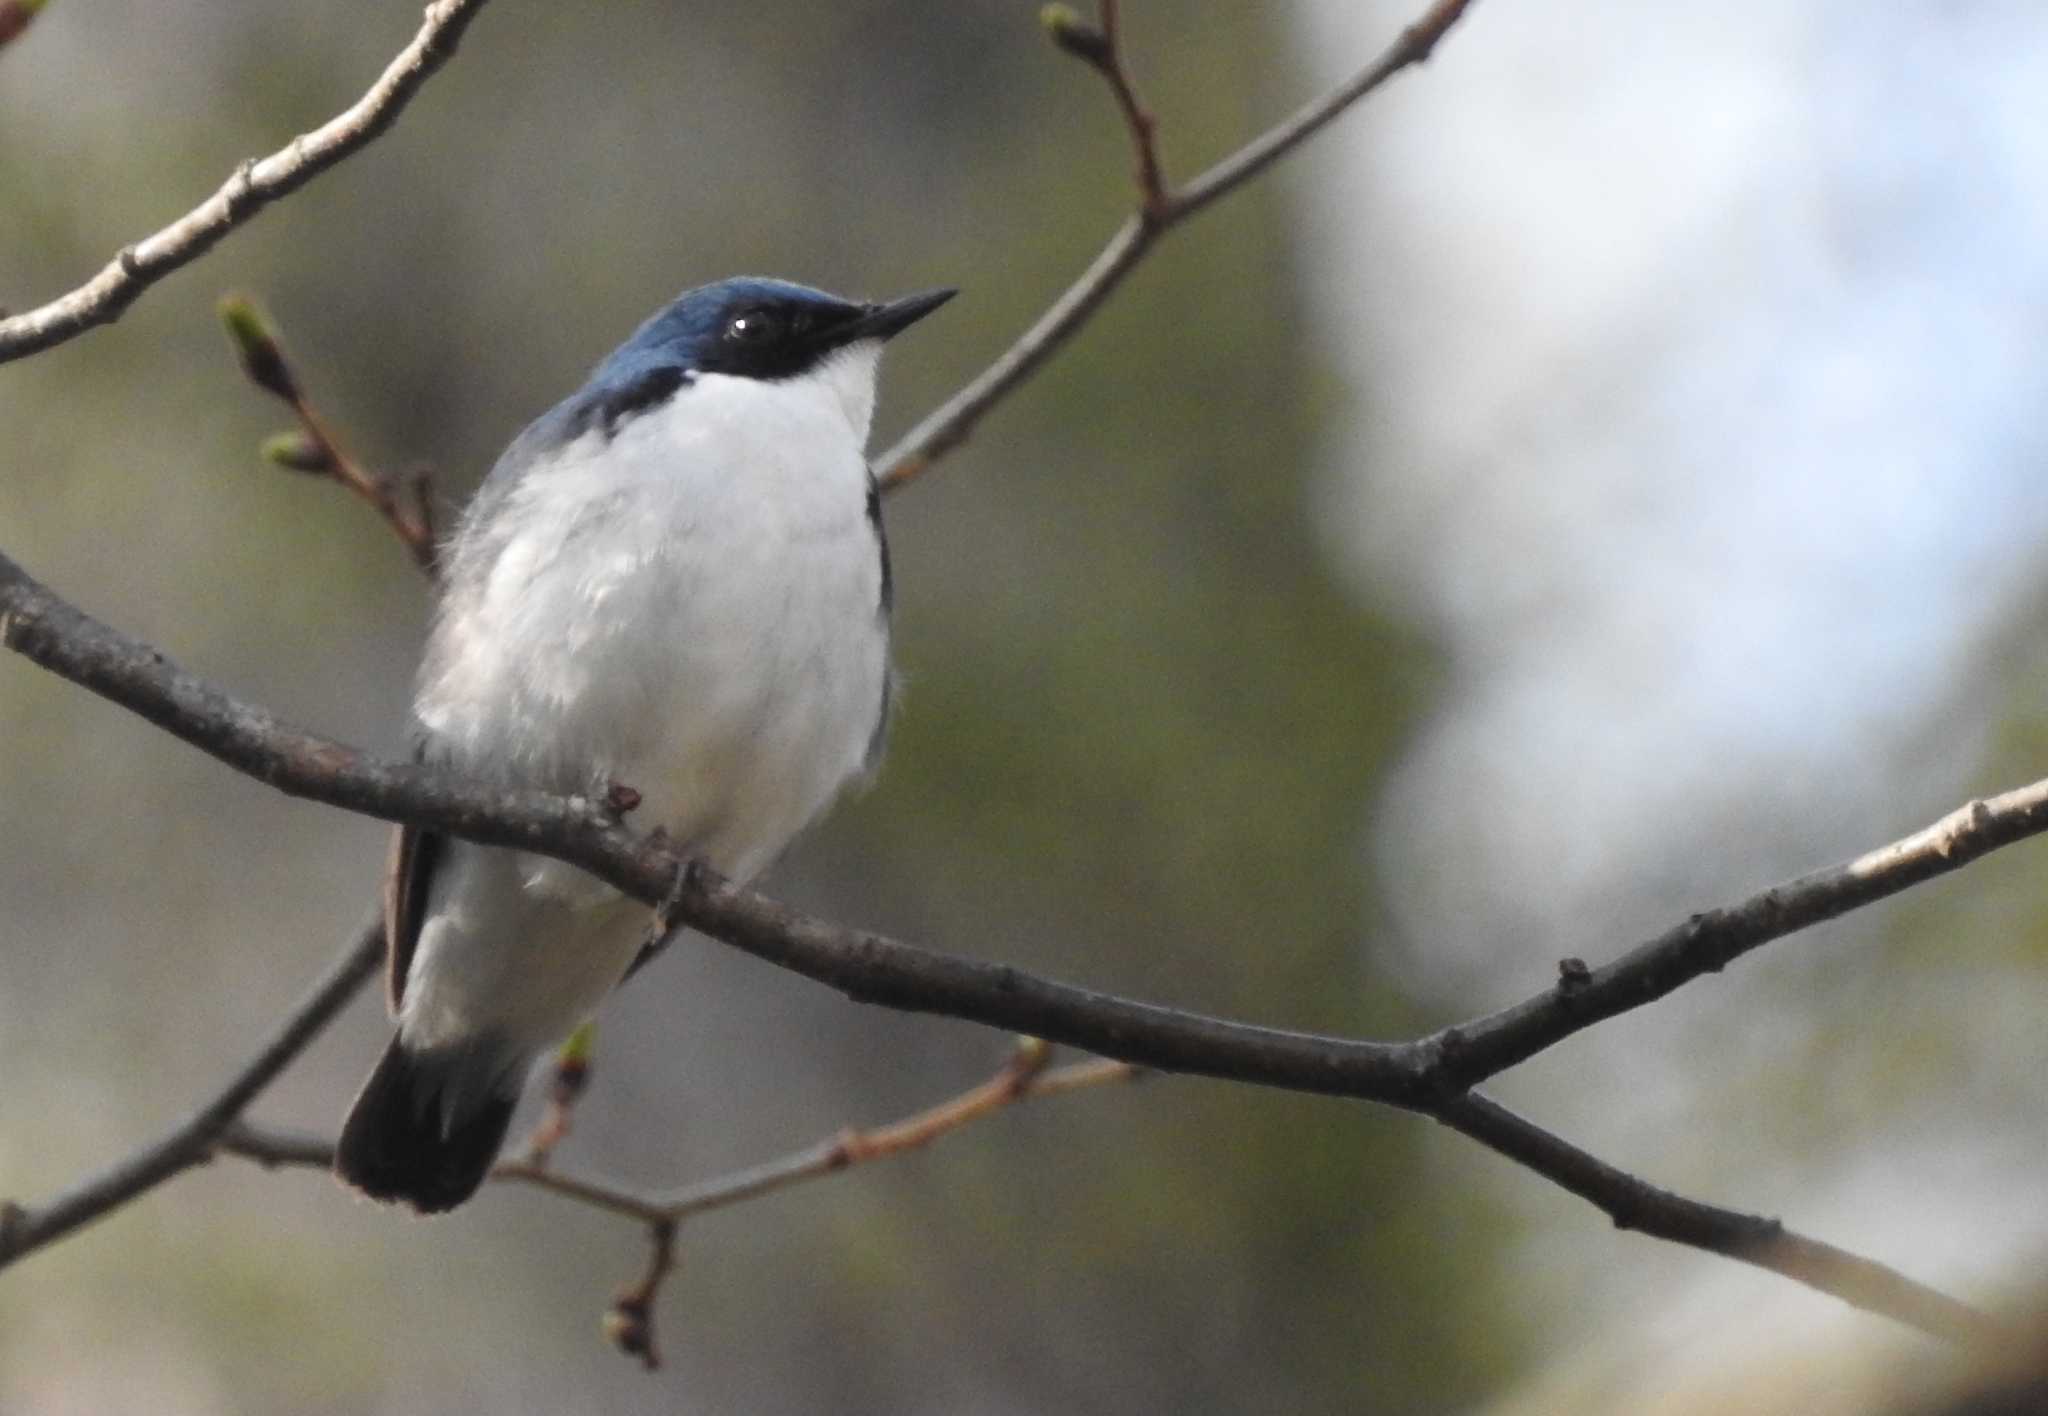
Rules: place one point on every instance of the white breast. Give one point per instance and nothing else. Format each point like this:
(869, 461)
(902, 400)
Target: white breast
(691, 608)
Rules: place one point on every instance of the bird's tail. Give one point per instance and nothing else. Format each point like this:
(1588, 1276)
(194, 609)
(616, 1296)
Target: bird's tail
(427, 1126)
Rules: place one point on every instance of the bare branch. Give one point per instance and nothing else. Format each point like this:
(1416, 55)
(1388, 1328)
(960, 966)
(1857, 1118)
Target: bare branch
(1429, 1075)
(1160, 210)
(629, 1323)
(568, 1078)
(1751, 1239)
(1708, 942)
(313, 449)
(1100, 46)
(253, 186)
(192, 1141)
(871, 968)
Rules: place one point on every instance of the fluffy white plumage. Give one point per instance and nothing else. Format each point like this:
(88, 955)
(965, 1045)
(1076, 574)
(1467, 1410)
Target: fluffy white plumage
(695, 614)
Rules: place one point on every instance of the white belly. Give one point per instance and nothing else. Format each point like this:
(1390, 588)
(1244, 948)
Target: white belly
(705, 629)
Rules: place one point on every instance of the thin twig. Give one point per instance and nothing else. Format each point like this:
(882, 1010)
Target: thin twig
(411, 520)
(1022, 1077)
(273, 1148)
(1636, 1204)
(629, 1322)
(314, 450)
(953, 422)
(253, 186)
(1100, 46)
(568, 1078)
(192, 1141)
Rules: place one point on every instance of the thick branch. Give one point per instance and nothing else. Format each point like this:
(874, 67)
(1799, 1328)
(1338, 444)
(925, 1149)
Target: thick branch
(1160, 210)
(191, 1142)
(253, 186)
(1430, 1075)
(866, 966)
(872, 968)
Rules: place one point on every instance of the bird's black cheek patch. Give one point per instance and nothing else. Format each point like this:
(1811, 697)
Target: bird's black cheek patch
(617, 405)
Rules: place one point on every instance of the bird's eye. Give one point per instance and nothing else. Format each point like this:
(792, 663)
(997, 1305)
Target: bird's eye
(751, 327)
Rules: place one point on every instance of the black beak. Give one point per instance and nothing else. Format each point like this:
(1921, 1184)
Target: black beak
(887, 321)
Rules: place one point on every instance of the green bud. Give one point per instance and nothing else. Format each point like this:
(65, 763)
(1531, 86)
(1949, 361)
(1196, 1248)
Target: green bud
(581, 1044)
(256, 346)
(296, 452)
(1065, 27)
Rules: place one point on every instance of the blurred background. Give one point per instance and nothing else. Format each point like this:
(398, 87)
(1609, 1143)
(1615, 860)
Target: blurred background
(1600, 478)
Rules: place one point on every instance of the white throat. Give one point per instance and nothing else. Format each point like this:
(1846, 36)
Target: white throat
(849, 376)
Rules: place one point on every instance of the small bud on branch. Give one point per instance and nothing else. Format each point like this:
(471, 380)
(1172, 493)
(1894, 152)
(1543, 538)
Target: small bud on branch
(294, 451)
(256, 345)
(1074, 35)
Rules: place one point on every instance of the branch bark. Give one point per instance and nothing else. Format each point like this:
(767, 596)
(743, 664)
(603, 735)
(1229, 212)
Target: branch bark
(1431, 1075)
(873, 968)
(250, 188)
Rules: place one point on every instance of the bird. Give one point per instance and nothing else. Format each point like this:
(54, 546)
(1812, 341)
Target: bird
(671, 592)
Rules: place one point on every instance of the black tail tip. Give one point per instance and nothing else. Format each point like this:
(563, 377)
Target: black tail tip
(395, 1146)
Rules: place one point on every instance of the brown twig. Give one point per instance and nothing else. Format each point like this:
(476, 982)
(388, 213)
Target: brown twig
(251, 187)
(629, 1323)
(1161, 209)
(567, 1081)
(314, 449)
(1100, 46)
(15, 16)
(1022, 1077)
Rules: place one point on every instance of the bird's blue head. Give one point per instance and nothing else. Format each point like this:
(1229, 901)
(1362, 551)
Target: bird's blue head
(757, 328)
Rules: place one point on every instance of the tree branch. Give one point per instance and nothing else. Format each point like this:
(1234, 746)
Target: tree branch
(1160, 210)
(872, 968)
(1708, 942)
(253, 186)
(1636, 1204)
(630, 1321)
(192, 1141)
(313, 448)
(1431, 1075)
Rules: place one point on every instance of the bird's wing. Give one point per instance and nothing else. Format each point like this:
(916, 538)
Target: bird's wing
(408, 873)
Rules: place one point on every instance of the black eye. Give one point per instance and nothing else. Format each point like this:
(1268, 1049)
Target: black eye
(752, 327)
